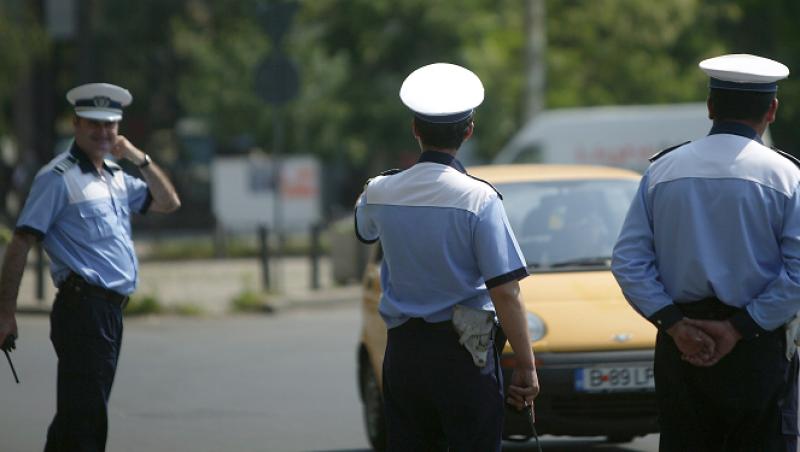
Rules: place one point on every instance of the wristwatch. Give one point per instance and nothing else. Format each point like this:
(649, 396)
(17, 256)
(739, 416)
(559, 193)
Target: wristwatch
(146, 161)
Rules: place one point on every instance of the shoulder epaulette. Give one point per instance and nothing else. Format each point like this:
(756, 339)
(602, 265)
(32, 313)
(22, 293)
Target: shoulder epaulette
(500, 195)
(788, 156)
(666, 151)
(65, 164)
(388, 172)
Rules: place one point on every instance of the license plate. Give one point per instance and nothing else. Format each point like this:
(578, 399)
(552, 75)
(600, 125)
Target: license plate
(616, 378)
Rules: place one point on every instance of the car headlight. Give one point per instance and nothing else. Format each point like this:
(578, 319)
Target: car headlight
(536, 327)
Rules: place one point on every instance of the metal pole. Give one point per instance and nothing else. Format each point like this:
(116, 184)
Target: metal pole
(314, 254)
(535, 47)
(277, 226)
(277, 150)
(263, 242)
(220, 241)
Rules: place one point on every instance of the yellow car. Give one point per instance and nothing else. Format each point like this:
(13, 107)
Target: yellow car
(594, 353)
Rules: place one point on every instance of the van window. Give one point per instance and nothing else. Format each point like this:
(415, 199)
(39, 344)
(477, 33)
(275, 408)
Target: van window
(531, 153)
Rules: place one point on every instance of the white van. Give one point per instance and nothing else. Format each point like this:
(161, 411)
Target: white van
(621, 136)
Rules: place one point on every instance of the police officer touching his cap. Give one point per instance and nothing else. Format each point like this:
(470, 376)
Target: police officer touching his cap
(450, 260)
(710, 254)
(79, 207)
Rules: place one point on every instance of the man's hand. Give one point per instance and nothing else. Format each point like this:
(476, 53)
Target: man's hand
(10, 277)
(165, 199)
(523, 389)
(725, 337)
(124, 149)
(8, 326)
(696, 345)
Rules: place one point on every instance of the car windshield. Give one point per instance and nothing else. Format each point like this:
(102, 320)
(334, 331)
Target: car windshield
(570, 224)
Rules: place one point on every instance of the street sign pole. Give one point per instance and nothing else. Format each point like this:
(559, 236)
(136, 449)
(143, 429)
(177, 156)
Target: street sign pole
(277, 82)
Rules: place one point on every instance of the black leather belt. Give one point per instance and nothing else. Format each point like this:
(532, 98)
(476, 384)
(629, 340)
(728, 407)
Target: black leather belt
(708, 309)
(420, 324)
(76, 284)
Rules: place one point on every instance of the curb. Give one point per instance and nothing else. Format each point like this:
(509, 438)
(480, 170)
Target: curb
(278, 303)
(323, 298)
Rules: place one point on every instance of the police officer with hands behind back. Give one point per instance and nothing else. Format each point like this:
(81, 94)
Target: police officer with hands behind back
(79, 207)
(450, 260)
(710, 254)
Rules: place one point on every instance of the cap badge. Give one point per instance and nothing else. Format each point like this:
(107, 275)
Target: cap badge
(101, 101)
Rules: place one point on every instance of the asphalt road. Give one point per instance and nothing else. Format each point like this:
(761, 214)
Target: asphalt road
(278, 383)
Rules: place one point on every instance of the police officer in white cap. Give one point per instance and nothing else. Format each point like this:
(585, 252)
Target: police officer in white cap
(710, 254)
(450, 260)
(80, 208)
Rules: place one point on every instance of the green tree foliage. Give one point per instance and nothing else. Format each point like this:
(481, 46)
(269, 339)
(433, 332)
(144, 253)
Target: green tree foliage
(198, 58)
(219, 45)
(374, 44)
(770, 29)
(621, 52)
(131, 47)
(22, 41)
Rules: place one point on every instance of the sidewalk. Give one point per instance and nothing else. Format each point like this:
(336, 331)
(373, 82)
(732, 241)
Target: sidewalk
(212, 284)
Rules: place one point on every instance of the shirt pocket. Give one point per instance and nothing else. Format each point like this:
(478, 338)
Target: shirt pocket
(100, 220)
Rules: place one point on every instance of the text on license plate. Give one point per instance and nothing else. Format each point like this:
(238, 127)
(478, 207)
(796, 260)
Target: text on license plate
(617, 378)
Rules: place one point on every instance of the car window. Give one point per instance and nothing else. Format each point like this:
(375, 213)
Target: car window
(561, 224)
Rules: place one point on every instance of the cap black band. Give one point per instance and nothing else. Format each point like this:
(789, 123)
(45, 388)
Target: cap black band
(445, 119)
(716, 83)
(99, 102)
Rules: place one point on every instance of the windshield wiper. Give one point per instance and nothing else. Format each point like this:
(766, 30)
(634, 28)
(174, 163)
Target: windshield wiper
(597, 261)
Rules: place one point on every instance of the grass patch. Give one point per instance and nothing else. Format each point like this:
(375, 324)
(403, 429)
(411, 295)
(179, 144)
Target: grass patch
(250, 300)
(149, 304)
(144, 305)
(188, 310)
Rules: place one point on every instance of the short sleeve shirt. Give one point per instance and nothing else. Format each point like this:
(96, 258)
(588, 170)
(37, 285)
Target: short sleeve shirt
(83, 218)
(718, 217)
(445, 236)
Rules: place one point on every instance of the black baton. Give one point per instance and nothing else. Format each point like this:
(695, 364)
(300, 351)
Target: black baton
(8, 344)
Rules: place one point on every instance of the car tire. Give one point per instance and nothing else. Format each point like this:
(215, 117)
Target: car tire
(619, 439)
(374, 419)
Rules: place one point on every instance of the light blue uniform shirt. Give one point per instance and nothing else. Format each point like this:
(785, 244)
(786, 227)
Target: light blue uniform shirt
(718, 217)
(445, 236)
(83, 220)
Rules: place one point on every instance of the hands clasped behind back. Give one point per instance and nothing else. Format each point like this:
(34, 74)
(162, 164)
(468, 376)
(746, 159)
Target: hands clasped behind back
(704, 342)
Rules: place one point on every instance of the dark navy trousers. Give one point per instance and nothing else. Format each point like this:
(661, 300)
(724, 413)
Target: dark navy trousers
(86, 332)
(435, 398)
(746, 402)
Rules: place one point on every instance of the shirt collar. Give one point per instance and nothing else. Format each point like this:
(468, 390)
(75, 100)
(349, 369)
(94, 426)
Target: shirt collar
(85, 164)
(442, 158)
(735, 128)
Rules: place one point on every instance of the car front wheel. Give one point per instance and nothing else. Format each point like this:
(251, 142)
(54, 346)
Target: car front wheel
(619, 439)
(374, 420)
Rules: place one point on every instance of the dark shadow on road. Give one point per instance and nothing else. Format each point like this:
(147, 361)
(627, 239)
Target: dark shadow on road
(556, 445)
(550, 445)
(342, 450)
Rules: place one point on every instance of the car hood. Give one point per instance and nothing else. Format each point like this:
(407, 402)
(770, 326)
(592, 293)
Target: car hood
(584, 311)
